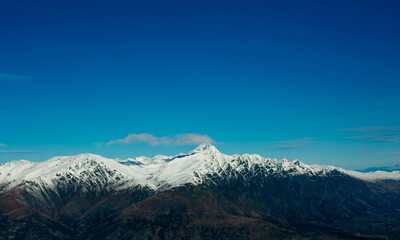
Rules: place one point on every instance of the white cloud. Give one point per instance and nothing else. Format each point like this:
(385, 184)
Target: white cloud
(13, 151)
(1, 151)
(11, 77)
(178, 139)
(377, 134)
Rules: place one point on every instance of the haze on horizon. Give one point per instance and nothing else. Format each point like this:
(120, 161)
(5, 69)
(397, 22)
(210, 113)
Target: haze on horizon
(314, 81)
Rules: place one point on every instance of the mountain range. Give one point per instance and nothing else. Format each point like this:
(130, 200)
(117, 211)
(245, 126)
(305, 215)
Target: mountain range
(202, 194)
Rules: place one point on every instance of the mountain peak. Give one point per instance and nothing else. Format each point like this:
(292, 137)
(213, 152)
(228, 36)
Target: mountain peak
(88, 155)
(206, 147)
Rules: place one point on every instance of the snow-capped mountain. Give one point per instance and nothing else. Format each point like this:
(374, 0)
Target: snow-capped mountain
(218, 196)
(162, 171)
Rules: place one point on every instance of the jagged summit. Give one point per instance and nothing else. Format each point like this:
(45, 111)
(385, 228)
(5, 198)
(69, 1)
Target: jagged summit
(206, 147)
(88, 155)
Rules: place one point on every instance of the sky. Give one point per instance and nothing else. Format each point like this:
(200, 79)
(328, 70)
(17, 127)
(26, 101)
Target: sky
(317, 81)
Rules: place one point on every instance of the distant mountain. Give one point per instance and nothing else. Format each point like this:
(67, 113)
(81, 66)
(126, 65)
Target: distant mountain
(384, 168)
(203, 194)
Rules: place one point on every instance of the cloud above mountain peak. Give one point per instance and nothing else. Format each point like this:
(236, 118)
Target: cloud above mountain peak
(150, 139)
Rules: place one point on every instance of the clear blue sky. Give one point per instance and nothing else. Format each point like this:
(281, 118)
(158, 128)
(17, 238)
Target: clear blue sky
(277, 78)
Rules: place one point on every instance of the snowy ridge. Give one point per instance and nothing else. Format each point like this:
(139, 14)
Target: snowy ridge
(160, 171)
(82, 168)
(374, 176)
